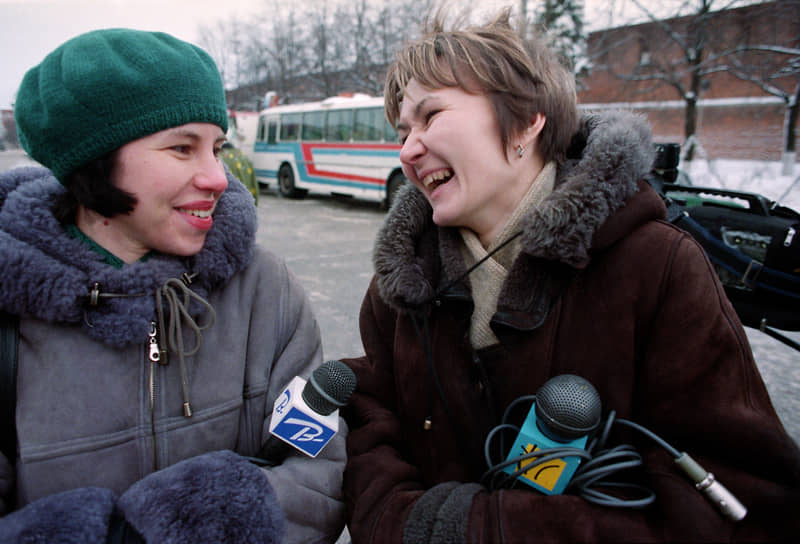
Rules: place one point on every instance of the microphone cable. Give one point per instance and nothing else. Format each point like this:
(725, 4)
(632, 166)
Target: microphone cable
(589, 481)
(593, 479)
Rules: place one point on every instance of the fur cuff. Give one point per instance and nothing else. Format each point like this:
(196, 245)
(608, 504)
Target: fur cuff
(214, 497)
(79, 516)
(441, 515)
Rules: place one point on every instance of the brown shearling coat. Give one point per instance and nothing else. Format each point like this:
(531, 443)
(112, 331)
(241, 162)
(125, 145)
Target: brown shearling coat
(604, 288)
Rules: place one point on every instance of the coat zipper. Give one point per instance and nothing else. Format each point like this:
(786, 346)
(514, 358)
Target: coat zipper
(154, 355)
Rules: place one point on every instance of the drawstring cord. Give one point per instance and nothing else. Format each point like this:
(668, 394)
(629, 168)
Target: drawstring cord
(423, 336)
(482, 260)
(179, 317)
(433, 378)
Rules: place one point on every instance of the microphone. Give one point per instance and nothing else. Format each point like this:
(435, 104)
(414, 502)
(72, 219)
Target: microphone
(305, 416)
(566, 410)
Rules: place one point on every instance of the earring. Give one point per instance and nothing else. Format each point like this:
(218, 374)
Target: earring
(520, 150)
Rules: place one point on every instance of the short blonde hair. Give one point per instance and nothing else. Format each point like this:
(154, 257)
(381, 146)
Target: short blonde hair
(520, 78)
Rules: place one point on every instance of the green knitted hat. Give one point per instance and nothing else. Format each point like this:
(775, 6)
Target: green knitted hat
(103, 89)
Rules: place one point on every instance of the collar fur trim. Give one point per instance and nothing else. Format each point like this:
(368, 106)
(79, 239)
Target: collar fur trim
(48, 275)
(609, 154)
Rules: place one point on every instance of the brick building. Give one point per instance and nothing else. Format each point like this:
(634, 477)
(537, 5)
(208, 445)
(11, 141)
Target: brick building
(735, 118)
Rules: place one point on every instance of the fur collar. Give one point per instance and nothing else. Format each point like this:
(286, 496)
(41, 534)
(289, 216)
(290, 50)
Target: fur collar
(48, 275)
(609, 154)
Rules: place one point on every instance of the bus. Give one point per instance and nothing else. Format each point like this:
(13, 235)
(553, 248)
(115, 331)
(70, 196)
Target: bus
(340, 145)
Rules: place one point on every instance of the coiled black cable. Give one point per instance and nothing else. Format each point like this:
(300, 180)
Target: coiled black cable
(593, 480)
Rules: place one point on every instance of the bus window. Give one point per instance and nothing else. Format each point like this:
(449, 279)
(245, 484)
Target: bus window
(261, 128)
(339, 126)
(368, 125)
(290, 126)
(272, 130)
(313, 123)
(389, 134)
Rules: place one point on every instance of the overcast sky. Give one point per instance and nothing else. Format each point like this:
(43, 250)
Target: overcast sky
(30, 29)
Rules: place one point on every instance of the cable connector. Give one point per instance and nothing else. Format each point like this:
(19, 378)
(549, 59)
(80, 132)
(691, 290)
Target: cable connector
(704, 481)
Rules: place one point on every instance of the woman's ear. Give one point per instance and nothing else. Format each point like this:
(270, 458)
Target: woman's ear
(529, 138)
(531, 134)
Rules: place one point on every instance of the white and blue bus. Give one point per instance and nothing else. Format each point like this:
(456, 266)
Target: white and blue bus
(341, 145)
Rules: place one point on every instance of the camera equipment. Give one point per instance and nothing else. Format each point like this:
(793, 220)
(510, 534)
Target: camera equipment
(753, 243)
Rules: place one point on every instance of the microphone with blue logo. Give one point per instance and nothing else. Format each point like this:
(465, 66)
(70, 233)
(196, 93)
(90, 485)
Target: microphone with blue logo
(305, 416)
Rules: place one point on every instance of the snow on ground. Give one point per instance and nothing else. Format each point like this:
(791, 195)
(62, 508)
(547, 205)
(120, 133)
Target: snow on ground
(760, 177)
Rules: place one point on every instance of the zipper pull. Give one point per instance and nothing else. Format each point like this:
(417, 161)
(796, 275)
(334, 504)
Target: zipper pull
(155, 353)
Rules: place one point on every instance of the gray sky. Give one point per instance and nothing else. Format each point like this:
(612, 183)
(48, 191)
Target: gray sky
(30, 29)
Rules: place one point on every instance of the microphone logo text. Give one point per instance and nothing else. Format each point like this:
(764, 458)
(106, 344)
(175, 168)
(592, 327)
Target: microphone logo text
(309, 431)
(302, 430)
(286, 397)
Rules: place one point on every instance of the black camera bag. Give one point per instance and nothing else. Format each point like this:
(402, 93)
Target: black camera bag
(754, 246)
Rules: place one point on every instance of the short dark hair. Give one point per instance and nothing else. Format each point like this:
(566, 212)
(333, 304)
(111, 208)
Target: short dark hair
(90, 186)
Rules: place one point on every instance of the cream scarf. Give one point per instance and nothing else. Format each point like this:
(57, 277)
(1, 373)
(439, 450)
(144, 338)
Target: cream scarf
(487, 280)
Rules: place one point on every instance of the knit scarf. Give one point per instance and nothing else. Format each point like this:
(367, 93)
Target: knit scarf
(487, 280)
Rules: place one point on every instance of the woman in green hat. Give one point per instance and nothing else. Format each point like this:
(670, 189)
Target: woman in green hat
(154, 335)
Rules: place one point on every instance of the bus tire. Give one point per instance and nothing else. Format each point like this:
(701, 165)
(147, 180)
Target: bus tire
(286, 182)
(395, 183)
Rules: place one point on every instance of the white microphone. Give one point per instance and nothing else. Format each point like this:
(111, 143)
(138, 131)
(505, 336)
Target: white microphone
(305, 416)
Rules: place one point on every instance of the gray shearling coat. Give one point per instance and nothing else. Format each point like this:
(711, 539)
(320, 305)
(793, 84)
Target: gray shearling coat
(86, 383)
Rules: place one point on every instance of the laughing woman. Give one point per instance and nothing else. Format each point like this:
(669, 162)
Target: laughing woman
(154, 336)
(529, 247)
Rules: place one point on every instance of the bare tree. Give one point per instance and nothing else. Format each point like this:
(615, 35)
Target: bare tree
(369, 34)
(561, 22)
(239, 50)
(524, 19)
(314, 53)
(216, 39)
(322, 62)
(679, 52)
(287, 49)
(362, 71)
(774, 68)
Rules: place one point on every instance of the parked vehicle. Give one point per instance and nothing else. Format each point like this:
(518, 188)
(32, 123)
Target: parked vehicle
(242, 125)
(341, 145)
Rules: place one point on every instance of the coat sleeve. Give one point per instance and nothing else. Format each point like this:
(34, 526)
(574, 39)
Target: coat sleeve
(77, 516)
(181, 503)
(309, 490)
(6, 484)
(697, 386)
(213, 497)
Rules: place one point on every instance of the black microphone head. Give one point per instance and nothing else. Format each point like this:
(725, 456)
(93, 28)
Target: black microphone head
(567, 407)
(329, 387)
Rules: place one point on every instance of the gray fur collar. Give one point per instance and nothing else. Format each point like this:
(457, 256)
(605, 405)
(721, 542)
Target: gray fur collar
(610, 153)
(48, 275)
